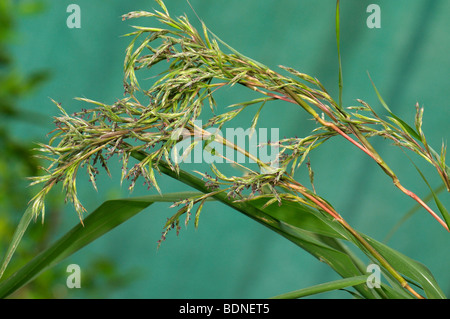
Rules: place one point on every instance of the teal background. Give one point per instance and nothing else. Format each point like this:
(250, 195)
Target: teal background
(230, 256)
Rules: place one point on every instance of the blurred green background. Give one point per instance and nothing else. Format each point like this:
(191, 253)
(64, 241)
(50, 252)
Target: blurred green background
(229, 256)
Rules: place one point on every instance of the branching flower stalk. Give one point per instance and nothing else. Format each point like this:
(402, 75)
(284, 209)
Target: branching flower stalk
(195, 69)
(327, 208)
(367, 148)
(323, 205)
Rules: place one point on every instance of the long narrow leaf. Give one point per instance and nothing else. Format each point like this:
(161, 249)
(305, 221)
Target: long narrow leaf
(316, 235)
(287, 213)
(18, 234)
(325, 287)
(439, 204)
(105, 218)
(344, 263)
(410, 268)
(403, 125)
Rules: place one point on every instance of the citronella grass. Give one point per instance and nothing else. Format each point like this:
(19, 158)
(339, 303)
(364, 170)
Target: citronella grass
(144, 123)
(198, 67)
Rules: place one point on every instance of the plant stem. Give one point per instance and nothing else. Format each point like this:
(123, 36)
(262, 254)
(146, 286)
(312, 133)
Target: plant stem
(327, 208)
(199, 185)
(366, 148)
(242, 207)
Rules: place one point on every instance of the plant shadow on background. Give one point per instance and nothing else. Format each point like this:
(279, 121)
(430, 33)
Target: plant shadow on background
(144, 130)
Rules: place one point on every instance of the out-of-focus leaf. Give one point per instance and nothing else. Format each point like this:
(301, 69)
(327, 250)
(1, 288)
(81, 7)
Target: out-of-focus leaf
(325, 287)
(439, 204)
(319, 237)
(106, 217)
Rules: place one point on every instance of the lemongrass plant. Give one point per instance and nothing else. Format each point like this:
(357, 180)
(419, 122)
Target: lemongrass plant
(145, 126)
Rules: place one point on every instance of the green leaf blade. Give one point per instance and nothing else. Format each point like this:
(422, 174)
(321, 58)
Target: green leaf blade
(106, 217)
(402, 124)
(325, 287)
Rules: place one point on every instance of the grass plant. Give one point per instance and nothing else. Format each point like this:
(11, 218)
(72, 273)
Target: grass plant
(143, 128)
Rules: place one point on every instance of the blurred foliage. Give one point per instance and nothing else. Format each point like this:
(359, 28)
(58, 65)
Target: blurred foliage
(17, 162)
